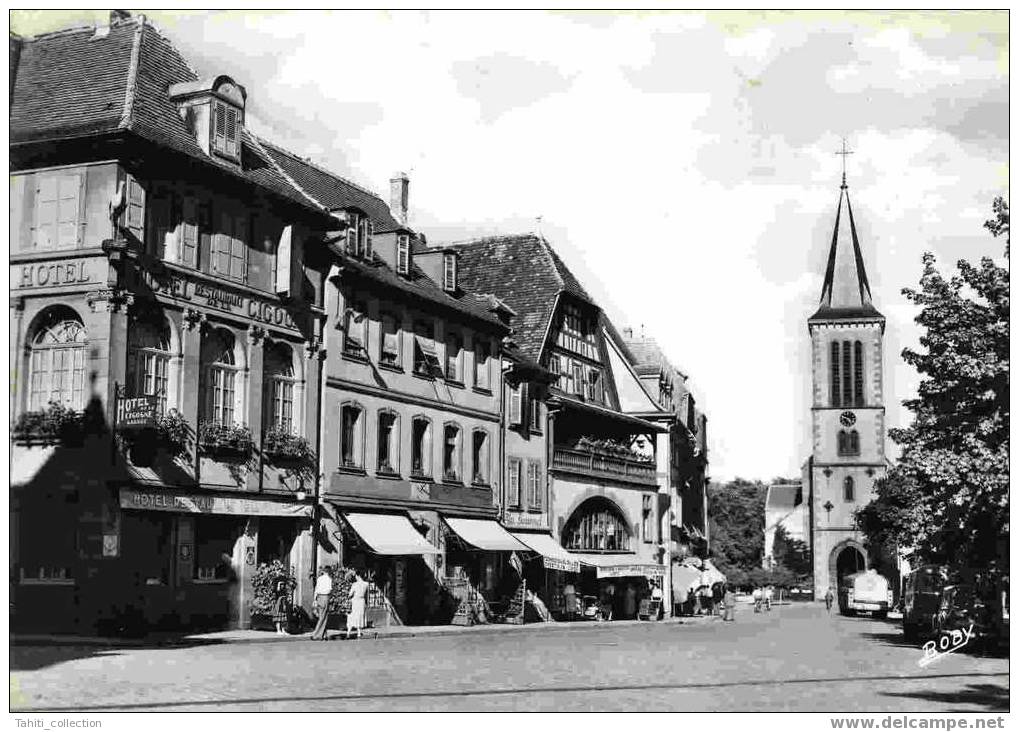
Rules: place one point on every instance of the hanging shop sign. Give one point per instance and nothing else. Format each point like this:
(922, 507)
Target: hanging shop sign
(631, 570)
(137, 412)
(202, 503)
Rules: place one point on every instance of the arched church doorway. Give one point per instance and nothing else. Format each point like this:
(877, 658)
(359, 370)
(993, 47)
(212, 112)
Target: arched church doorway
(846, 558)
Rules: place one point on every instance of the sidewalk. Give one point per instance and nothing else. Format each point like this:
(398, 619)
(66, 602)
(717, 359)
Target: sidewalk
(268, 636)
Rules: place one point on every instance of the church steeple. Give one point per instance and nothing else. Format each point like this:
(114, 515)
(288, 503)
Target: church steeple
(846, 290)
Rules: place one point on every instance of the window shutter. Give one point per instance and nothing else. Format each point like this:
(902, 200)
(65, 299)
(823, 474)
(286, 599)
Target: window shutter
(516, 397)
(283, 261)
(513, 483)
(189, 232)
(239, 249)
(135, 208)
(403, 254)
(219, 131)
(231, 146)
(68, 208)
(369, 234)
(391, 339)
(221, 245)
(46, 197)
(538, 493)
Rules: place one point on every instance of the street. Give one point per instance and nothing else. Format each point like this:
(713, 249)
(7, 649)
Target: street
(794, 658)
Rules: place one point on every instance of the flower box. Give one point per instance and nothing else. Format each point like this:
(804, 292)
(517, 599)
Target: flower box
(54, 425)
(282, 446)
(225, 440)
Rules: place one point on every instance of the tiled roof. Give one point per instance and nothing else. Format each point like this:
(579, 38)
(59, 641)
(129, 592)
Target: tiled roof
(525, 273)
(417, 284)
(332, 191)
(76, 83)
(648, 357)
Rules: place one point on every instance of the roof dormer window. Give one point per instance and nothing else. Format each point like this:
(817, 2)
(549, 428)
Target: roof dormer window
(360, 232)
(403, 254)
(449, 272)
(226, 130)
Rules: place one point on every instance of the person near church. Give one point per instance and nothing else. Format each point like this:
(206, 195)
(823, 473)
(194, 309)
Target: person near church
(730, 605)
(769, 594)
(323, 588)
(570, 600)
(357, 618)
(829, 598)
(758, 599)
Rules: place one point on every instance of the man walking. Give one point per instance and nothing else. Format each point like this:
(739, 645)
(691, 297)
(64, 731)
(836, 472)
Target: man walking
(829, 598)
(323, 588)
(730, 605)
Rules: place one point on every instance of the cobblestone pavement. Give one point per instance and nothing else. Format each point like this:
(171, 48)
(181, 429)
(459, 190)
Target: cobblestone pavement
(795, 658)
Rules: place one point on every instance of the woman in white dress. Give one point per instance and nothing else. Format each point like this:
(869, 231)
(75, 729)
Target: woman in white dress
(356, 618)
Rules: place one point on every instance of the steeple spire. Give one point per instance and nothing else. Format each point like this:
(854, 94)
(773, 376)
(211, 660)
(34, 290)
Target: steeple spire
(846, 290)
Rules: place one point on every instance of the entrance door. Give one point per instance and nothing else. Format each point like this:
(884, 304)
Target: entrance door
(850, 560)
(276, 537)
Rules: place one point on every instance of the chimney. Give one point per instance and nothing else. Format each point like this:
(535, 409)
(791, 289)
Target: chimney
(399, 189)
(117, 16)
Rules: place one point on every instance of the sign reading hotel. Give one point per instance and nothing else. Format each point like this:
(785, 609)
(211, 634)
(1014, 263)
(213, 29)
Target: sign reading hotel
(631, 570)
(181, 287)
(50, 274)
(137, 412)
(202, 503)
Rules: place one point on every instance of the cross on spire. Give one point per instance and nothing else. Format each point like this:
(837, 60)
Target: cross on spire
(844, 152)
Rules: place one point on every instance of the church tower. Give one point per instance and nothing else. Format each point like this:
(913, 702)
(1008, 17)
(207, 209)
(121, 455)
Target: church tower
(847, 412)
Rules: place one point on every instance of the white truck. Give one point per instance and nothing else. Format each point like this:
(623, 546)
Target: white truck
(865, 591)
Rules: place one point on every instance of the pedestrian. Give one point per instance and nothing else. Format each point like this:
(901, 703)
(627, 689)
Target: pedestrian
(630, 601)
(357, 617)
(730, 605)
(758, 597)
(657, 596)
(323, 588)
(281, 607)
(769, 593)
(829, 598)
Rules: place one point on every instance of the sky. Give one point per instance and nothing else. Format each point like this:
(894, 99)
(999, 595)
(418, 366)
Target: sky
(682, 163)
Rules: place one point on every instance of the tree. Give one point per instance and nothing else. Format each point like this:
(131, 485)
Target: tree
(947, 497)
(736, 521)
(791, 554)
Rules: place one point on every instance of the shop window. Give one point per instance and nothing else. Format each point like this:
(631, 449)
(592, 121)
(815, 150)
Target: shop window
(481, 365)
(48, 557)
(451, 453)
(390, 353)
(513, 483)
(647, 519)
(279, 387)
(57, 211)
(480, 458)
(421, 447)
(389, 443)
(596, 526)
(535, 493)
(149, 359)
(215, 537)
(454, 346)
(56, 362)
(355, 328)
(351, 436)
(222, 377)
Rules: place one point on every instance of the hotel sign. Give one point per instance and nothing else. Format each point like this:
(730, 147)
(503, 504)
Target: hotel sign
(49, 274)
(137, 412)
(182, 287)
(631, 570)
(205, 503)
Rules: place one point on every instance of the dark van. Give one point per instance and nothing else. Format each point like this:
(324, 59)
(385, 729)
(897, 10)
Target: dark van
(921, 600)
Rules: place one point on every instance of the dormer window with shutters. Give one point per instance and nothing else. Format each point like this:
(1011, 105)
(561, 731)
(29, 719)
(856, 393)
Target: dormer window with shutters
(360, 232)
(449, 272)
(213, 111)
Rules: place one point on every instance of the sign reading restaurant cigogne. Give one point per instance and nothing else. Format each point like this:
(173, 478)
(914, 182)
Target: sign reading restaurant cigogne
(183, 287)
(177, 502)
(632, 570)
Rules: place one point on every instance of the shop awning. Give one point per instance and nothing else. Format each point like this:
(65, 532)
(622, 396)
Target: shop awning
(620, 565)
(684, 580)
(553, 556)
(389, 534)
(711, 574)
(487, 535)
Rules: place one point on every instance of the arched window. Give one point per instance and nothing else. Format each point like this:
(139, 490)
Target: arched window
(389, 443)
(847, 373)
(56, 364)
(854, 443)
(848, 489)
(835, 391)
(596, 526)
(421, 447)
(279, 387)
(351, 436)
(451, 455)
(149, 359)
(843, 442)
(222, 365)
(858, 373)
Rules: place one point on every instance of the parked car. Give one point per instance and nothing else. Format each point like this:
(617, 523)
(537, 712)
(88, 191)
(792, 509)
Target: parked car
(921, 600)
(865, 591)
